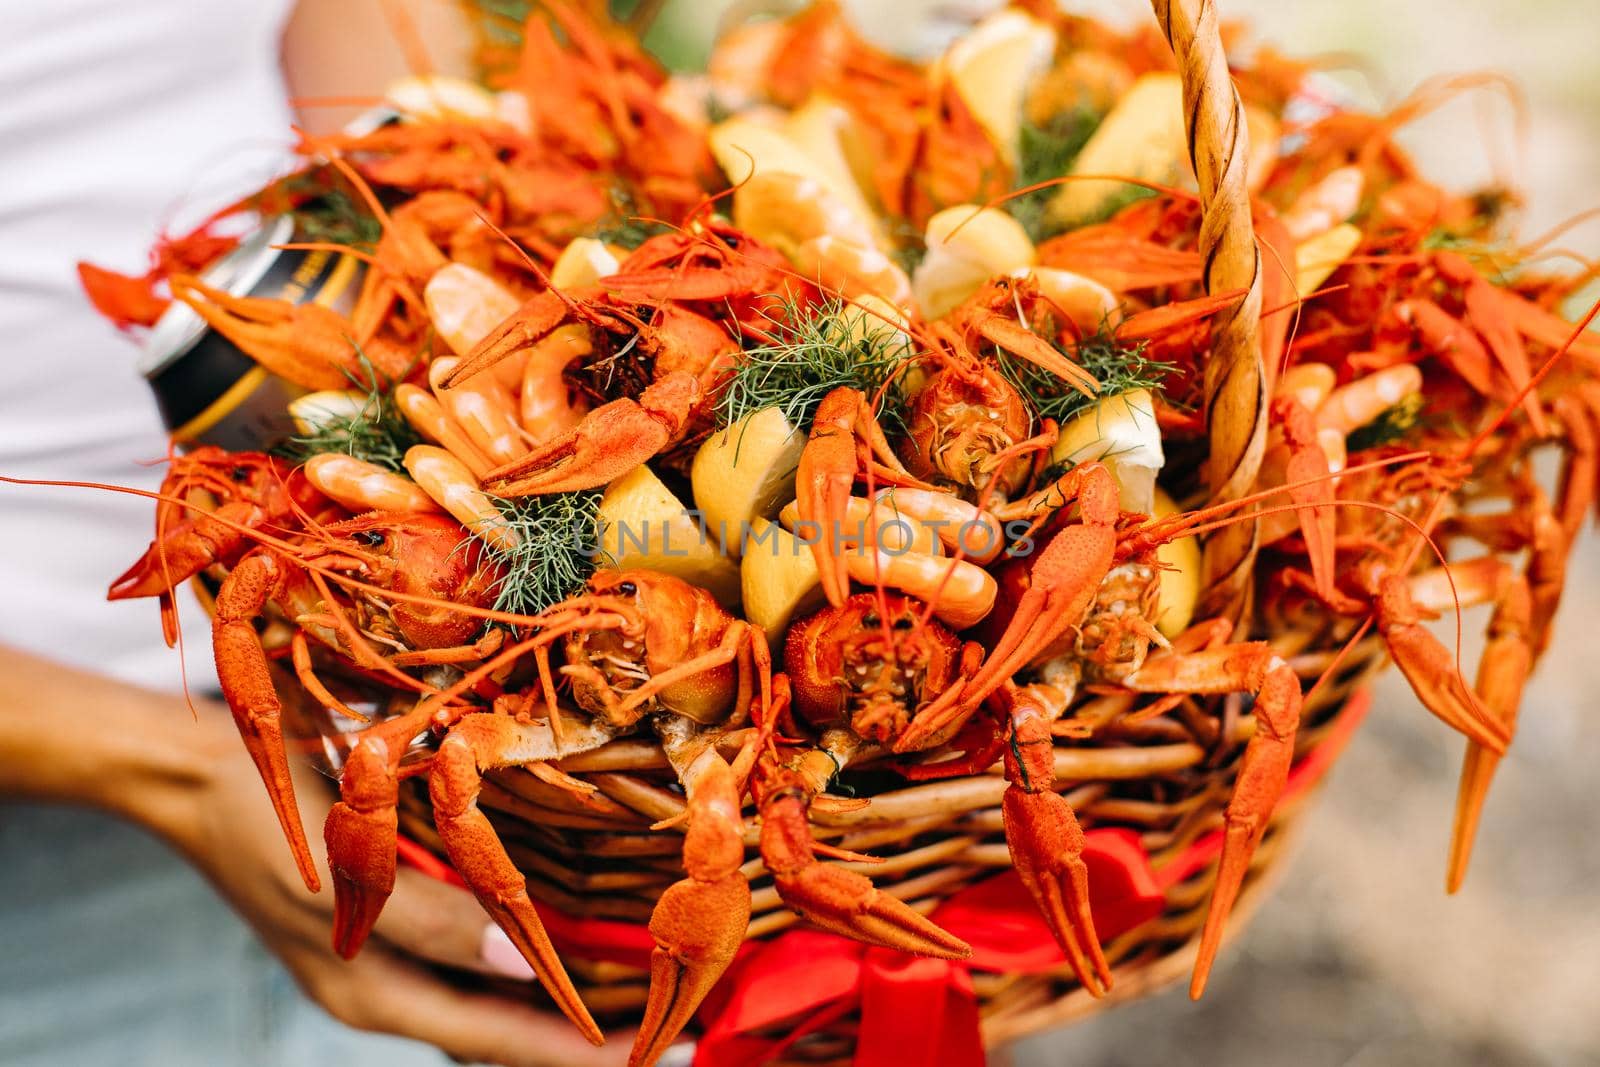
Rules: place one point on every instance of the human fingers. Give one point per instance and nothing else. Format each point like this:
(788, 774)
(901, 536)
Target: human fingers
(445, 924)
(384, 992)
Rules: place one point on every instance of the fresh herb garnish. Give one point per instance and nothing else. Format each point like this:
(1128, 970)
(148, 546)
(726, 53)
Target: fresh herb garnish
(376, 432)
(1118, 367)
(623, 226)
(1391, 425)
(1046, 151)
(812, 351)
(325, 209)
(558, 548)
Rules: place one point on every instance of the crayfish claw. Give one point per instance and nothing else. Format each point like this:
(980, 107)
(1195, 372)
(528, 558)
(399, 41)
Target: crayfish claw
(478, 855)
(698, 928)
(847, 903)
(1047, 851)
(1047, 844)
(247, 684)
(842, 901)
(360, 834)
(699, 922)
(612, 440)
(1263, 773)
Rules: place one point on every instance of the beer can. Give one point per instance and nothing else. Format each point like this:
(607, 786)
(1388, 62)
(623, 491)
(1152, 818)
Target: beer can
(210, 392)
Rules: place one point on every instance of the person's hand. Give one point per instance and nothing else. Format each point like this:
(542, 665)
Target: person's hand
(227, 829)
(188, 778)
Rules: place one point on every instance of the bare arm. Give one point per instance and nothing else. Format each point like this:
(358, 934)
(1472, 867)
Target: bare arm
(352, 49)
(67, 736)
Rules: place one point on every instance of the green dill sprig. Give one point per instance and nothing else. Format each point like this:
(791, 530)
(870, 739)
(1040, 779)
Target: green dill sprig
(376, 432)
(1390, 425)
(810, 353)
(1117, 366)
(623, 225)
(325, 209)
(1046, 151)
(558, 548)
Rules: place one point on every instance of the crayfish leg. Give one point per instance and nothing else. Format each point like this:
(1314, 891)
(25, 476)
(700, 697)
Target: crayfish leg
(360, 834)
(476, 744)
(247, 686)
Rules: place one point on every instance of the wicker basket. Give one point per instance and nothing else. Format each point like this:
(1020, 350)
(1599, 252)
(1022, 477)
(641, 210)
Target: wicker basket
(1161, 782)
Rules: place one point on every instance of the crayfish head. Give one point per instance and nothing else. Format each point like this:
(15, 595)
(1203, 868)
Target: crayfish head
(1118, 631)
(870, 663)
(966, 415)
(656, 622)
(252, 477)
(425, 556)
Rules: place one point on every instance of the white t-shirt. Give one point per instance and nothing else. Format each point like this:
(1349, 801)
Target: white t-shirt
(117, 120)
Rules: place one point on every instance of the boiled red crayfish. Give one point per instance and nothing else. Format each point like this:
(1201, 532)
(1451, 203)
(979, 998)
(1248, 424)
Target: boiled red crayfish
(637, 648)
(657, 303)
(229, 494)
(418, 557)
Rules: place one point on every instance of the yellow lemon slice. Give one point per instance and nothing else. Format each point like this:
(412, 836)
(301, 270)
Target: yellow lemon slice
(991, 67)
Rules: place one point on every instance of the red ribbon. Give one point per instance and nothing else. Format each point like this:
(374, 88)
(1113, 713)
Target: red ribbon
(914, 1012)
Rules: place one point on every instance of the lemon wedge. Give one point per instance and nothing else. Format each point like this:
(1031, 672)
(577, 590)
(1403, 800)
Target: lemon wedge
(1141, 138)
(316, 411)
(644, 526)
(991, 66)
(745, 472)
(1180, 583)
(745, 146)
(967, 245)
(584, 261)
(1317, 257)
(779, 578)
(1121, 432)
(439, 96)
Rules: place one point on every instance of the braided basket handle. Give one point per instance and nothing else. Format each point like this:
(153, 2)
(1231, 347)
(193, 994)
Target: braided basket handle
(1235, 380)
